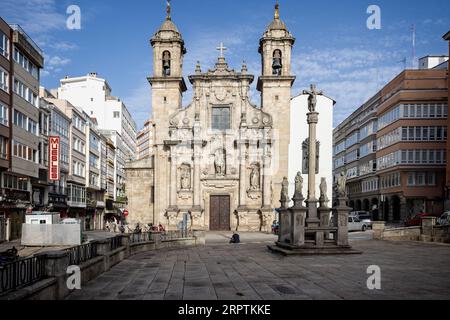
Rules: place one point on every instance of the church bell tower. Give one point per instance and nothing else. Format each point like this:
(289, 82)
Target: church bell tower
(275, 85)
(167, 81)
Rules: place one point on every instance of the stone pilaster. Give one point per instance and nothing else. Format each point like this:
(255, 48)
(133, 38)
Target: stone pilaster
(267, 177)
(242, 174)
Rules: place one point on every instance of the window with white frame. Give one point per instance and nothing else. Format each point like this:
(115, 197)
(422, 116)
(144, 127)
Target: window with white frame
(4, 45)
(25, 93)
(24, 152)
(16, 183)
(4, 78)
(25, 63)
(421, 179)
(4, 114)
(3, 148)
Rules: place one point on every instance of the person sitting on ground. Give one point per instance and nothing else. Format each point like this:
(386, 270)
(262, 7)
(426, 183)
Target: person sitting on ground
(235, 238)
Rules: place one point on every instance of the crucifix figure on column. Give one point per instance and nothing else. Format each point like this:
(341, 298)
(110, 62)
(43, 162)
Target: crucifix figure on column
(312, 100)
(221, 48)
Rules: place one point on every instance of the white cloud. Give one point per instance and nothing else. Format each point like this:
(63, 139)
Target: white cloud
(35, 16)
(57, 61)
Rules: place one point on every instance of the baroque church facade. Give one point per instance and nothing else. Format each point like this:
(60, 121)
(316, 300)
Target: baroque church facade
(221, 160)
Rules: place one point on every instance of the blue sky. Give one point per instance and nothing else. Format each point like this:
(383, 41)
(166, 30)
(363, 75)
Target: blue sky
(334, 48)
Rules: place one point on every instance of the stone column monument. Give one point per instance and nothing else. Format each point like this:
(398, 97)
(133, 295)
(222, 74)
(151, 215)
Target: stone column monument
(313, 120)
(307, 231)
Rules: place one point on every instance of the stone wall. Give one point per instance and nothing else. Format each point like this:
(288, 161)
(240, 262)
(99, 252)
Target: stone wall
(139, 187)
(42, 235)
(428, 232)
(54, 286)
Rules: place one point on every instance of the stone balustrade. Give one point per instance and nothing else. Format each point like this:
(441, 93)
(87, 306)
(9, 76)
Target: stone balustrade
(108, 253)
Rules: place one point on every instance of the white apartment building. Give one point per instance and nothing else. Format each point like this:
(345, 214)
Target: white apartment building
(93, 95)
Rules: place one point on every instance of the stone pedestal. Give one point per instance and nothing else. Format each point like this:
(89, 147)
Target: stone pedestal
(298, 218)
(56, 264)
(428, 224)
(342, 213)
(324, 217)
(378, 229)
(285, 226)
(312, 220)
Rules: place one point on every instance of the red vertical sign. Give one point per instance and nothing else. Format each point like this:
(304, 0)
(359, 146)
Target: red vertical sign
(54, 154)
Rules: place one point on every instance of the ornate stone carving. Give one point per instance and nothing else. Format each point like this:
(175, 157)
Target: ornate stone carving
(185, 177)
(220, 162)
(285, 193)
(312, 99)
(255, 177)
(221, 93)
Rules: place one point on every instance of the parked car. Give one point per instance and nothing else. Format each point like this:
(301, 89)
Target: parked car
(416, 221)
(364, 216)
(354, 224)
(444, 220)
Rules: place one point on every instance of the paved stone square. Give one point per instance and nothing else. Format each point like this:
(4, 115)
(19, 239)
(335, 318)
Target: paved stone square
(249, 271)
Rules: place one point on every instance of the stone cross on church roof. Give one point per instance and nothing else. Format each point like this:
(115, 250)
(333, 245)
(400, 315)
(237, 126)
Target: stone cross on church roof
(221, 48)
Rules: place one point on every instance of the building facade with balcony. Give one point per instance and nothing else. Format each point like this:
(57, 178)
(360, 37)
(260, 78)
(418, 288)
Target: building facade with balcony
(6, 66)
(144, 144)
(95, 194)
(78, 169)
(393, 148)
(25, 60)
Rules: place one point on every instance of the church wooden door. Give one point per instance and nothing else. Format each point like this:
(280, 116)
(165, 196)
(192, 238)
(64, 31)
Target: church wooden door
(220, 213)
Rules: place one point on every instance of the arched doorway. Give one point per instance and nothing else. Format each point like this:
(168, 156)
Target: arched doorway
(358, 205)
(396, 208)
(352, 205)
(366, 205)
(386, 205)
(375, 209)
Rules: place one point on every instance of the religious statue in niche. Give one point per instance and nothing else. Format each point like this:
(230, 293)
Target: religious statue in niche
(185, 177)
(220, 162)
(255, 174)
(305, 147)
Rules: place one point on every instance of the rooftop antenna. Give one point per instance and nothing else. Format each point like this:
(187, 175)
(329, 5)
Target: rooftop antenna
(413, 27)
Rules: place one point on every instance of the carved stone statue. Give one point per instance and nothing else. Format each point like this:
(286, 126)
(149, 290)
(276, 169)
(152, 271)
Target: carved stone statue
(299, 184)
(219, 162)
(341, 186)
(255, 178)
(312, 99)
(186, 178)
(323, 190)
(285, 192)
